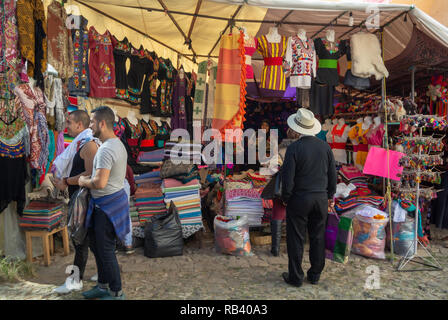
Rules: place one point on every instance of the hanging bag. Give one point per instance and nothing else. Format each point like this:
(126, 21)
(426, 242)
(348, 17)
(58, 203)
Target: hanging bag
(77, 211)
(163, 235)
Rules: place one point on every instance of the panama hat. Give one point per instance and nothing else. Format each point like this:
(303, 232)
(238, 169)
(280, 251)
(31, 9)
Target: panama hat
(304, 122)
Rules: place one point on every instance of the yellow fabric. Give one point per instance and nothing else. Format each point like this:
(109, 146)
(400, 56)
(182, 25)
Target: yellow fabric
(358, 134)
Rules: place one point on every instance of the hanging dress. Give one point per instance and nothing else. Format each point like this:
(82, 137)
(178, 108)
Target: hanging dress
(101, 65)
(327, 77)
(166, 76)
(179, 117)
(149, 92)
(79, 84)
(122, 52)
(339, 140)
(136, 74)
(362, 149)
(11, 63)
(273, 76)
(59, 41)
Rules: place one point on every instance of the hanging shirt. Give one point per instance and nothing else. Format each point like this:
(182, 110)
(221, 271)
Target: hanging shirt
(301, 58)
(273, 75)
(328, 54)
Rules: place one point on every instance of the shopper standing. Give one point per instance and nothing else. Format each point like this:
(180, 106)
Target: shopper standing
(108, 214)
(309, 184)
(80, 158)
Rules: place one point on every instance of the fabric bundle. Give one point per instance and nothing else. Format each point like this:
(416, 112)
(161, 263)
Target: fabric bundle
(149, 177)
(186, 198)
(149, 201)
(151, 158)
(230, 93)
(41, 215)
(356, 201)
(245, 202)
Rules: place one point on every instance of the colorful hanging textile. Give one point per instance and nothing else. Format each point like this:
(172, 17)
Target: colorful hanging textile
(199, 98)
(230, 97)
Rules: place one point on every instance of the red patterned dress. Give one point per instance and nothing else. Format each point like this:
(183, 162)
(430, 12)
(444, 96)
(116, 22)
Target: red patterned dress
(101, 65)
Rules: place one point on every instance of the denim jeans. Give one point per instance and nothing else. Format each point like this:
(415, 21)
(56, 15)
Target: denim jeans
(128, 238)
(102, 243)
(81, 256)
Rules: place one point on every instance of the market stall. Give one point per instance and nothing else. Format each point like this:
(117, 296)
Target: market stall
(221, 64)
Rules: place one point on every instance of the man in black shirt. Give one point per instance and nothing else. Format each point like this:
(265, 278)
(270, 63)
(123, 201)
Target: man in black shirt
(82, 163)
(309, 184)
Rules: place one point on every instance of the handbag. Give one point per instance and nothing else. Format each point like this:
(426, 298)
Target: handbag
(169, 169)
(273, 189)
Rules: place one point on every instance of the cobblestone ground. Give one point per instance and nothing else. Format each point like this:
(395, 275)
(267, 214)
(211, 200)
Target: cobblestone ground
(201, 273)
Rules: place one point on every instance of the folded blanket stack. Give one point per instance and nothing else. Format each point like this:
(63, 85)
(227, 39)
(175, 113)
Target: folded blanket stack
(183, 151)
(41, 215)
(149, 201)
(151, 158)
(247, 202)
(149, 177)
(356, 201)
(186, 198)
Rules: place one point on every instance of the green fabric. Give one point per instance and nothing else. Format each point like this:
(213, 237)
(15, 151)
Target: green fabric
(51, 150)
(328, 63)
(345, 224)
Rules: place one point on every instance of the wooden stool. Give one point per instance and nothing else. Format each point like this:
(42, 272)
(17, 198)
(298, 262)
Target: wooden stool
(47, 241)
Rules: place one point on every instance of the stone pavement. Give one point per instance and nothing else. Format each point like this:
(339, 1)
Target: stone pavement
(201, 273)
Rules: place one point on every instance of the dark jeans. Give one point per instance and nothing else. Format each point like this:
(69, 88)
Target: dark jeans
(310, 212)
(102, 239)
(81, 256)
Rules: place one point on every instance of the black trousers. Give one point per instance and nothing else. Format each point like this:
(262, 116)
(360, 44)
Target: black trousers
(302, 213)
(102, 240)
(81, 256)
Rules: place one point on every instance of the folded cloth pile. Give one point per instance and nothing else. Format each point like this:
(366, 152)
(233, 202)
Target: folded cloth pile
(186, 198)
(352, 175)
(149, 201)
(247, 202)
(356, 201)
(182, 172)
(151, 158)
(183, 151)
(41, 215)
(133, 211)
(149, 177)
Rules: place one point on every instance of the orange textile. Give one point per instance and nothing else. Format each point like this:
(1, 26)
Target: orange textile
(230, 94)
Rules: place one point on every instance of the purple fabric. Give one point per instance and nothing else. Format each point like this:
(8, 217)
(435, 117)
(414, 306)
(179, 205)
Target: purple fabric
(179, 118)
(331, 233)
(60, 144)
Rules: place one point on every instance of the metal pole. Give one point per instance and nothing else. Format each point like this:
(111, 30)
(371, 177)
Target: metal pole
(413, 83)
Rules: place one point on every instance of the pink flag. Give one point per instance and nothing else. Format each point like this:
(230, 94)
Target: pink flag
(376, 163)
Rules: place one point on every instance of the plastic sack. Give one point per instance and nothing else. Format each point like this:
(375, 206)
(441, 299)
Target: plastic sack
(163, 235)
(77, 210)
(403, 238)
(232, 235)
(369, 237)
(339, 237)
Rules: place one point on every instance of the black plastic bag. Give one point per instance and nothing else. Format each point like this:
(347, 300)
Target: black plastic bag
(163, 235)
(77, 211)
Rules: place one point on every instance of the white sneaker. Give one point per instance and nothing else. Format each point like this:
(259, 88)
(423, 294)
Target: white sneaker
(94, 278)
(69, 287)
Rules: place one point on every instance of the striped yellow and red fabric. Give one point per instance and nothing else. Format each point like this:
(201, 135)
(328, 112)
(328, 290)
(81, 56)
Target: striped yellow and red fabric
(230, 94)
(272, 76)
